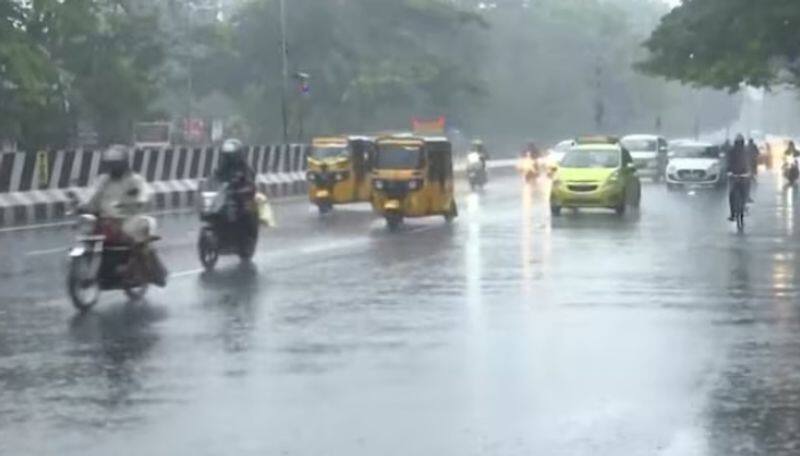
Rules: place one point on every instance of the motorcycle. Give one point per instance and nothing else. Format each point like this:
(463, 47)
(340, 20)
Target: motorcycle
(476, 172)
(103, 260)
(791, 171)
(229, 224)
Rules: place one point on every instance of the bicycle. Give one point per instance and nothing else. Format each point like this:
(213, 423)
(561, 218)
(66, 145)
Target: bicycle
(740, 189)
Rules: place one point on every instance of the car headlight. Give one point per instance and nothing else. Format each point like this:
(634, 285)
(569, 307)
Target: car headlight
(556, 183)
(414, 184)
(714, 169)
(378, 184)
(613, 178)
(671, 169)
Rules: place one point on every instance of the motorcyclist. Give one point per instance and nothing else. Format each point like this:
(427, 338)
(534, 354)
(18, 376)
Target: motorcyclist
(240, 179)
(740, 163)
(791, 151)
(753, 153)
(119, 199)
(479, 148)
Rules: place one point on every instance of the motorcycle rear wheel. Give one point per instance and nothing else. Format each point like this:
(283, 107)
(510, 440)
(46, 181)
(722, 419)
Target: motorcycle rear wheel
(84, 292)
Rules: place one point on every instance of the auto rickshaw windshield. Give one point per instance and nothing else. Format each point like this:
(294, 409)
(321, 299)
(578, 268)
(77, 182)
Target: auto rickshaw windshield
(322, 153)
(398, 157)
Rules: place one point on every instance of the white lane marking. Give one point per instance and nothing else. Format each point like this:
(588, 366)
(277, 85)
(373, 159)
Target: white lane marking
(35, 227)
(47, 251)
(190, 272)
(313, 249)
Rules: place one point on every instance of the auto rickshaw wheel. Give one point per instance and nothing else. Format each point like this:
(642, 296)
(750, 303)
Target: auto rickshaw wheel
(393, 221)
(452, 212)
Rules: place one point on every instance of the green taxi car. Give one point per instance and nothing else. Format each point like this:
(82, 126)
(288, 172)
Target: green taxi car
(596, 175)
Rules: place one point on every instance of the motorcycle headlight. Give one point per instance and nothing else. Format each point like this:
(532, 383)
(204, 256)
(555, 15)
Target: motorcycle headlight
(473, 159)
(86, 224)
(378, 184)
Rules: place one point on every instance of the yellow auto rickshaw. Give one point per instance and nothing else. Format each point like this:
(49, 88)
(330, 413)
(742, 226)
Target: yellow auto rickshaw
(413, 177)
(338, 170)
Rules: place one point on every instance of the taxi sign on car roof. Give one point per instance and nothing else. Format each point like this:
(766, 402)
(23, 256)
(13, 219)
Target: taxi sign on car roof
(597, 139)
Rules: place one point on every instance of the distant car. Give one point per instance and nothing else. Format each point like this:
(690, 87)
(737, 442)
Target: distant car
(596, 174)
(695, 165)
(649, 153)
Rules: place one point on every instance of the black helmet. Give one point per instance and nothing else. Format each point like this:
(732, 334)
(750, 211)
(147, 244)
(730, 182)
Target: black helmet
(116, 159)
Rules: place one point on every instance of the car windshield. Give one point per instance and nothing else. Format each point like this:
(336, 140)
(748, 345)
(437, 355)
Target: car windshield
(322, 153)
(398, 157)
(591, 159)
(640, 144)
(695, 151)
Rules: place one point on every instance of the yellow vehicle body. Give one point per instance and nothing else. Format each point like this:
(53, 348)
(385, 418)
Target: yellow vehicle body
(338, 171)
(413, 177)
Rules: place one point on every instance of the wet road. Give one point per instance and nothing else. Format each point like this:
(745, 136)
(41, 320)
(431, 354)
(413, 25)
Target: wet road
(662, 333)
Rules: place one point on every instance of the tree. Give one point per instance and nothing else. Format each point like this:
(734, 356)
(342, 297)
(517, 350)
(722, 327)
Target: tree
(61, 61)
(727, 43)
(373, 63)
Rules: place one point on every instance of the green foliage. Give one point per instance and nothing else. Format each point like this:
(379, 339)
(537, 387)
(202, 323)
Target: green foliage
(728, 43)
(74, 59)
(373, 63)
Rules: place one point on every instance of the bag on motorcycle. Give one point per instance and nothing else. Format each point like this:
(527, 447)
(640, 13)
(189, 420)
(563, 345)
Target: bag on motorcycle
(156, 270)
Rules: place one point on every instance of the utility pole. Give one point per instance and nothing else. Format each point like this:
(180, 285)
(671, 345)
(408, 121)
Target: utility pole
(285, 75)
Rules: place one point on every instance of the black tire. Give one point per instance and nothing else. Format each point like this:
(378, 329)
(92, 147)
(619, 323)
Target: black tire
(452, 213)
(621, 207)
(247, 248)
(208, 249)
(637, 200)
(76, 285)
(555, 210)
(393, 222)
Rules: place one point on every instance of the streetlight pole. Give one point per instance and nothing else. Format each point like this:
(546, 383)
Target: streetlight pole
(285, 70)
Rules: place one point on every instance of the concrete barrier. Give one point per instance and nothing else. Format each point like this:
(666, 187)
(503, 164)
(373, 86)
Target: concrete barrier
(29, 194)
(35, 192)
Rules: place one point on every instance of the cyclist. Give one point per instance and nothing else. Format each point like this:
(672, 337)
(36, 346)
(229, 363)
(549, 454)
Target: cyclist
(740, 166)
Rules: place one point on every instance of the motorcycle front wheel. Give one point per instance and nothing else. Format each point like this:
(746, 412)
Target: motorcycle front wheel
(83, 288)
(136, 293)
(208, 249)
